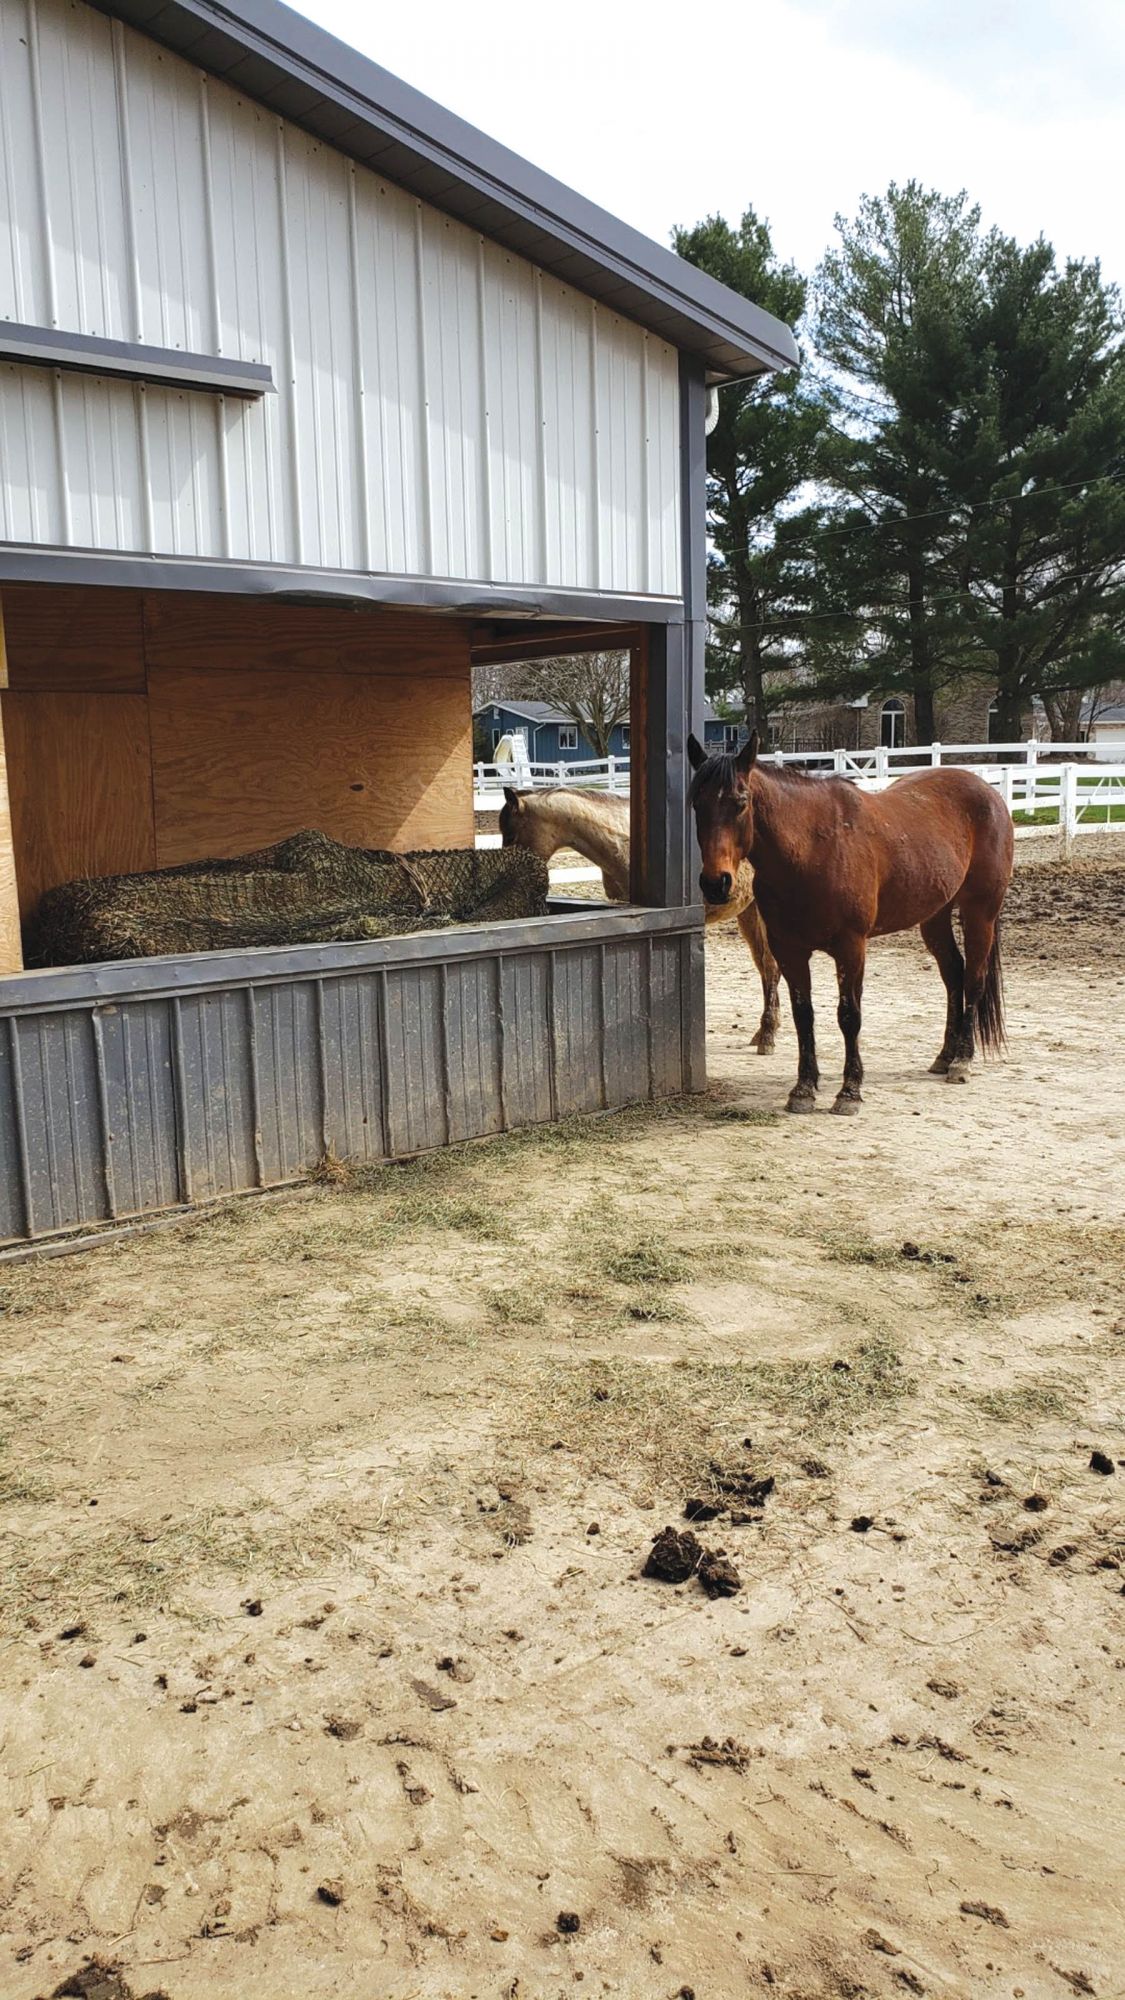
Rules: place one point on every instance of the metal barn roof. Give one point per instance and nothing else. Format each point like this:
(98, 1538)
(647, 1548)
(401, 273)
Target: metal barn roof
(275, 56)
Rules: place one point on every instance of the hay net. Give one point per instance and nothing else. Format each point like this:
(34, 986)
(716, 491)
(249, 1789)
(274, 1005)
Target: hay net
(307, 889)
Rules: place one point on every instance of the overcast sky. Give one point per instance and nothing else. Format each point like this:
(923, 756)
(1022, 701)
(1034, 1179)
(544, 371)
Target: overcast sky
(664, 115)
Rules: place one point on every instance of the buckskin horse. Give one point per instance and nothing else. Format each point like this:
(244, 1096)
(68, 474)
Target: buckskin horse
(596, 824)
(834, 866)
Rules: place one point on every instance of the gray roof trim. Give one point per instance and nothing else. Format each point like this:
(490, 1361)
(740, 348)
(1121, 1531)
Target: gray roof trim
(170, 367)
(294, 68)
(28, 562)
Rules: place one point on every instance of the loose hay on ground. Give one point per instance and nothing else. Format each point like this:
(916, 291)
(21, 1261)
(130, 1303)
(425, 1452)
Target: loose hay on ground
(670, 1419)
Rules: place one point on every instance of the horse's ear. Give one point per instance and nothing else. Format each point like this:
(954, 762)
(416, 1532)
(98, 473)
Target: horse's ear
(697, 755)
(747, 756)
(511, 797)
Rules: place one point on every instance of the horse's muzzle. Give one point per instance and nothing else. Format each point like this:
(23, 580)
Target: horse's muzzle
(716, 888)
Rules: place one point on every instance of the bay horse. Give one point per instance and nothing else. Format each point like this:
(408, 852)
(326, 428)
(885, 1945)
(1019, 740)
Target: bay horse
(834, 866)
(596, 825)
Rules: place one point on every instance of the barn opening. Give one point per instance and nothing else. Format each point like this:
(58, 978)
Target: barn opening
(146, 730)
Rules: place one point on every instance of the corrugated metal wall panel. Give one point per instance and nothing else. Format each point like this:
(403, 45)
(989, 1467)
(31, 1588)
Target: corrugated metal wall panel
(577, 998)
(62, 1139)
(211, 1038)
(139, 1102)
(625, 1013)
(80, 182)
(471, 1004)
(413, 1052)
(112, 1108)
(23, 295)
(15, 1222)
(32, 485)
(169, 212)
(320, 285)
(443, 408)
(252, 317)
(395, 462)
(455, 407)
(526, 1062)
(622, 454)
(286, 1080)
(353, 1112)
(513, 400)
(664, 1005)
(570, 441)
(101, 453)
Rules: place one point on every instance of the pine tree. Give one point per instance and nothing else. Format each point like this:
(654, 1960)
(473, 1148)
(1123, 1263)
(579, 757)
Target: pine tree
(1046, 546)
(763, 452)
(895, 301)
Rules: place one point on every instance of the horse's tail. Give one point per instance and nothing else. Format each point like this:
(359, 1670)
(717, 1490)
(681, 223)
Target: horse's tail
(990, 1012)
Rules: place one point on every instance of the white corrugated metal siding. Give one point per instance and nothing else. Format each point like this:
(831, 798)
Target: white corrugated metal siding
(444, 408)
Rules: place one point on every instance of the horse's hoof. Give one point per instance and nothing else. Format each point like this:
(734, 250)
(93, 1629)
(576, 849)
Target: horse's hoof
(765, 1046)
(847, 1107)
(958, 1072)
(939, 1066)
(802, 1101)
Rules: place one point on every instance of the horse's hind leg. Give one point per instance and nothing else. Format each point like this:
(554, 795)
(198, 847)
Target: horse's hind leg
(937, 933)
(978, 927)
(851, 959)
(754, 931)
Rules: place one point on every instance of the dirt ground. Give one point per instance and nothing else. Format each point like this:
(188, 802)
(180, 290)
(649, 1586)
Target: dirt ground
(326, 1662)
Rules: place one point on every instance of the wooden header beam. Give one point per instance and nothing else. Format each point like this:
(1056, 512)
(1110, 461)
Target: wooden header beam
(511, 645)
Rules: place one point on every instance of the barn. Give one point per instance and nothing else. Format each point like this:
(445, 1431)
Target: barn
(311, 397)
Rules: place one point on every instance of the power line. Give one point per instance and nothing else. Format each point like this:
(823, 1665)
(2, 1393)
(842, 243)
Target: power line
(943, 513)
(873, 617)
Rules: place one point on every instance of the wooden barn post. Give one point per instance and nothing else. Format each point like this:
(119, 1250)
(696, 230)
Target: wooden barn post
(11, 949)
(667, 704)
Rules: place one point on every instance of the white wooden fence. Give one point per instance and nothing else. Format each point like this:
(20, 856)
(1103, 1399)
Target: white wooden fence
(597, 774)
(1051, 784)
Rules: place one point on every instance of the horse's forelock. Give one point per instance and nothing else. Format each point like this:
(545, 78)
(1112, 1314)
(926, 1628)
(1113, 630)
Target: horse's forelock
(719, 772)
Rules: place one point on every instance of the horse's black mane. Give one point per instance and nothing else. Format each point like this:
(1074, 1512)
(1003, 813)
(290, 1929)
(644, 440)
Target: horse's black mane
(721, 769)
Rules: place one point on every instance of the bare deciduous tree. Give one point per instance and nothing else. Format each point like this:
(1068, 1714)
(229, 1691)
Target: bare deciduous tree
(591, 688)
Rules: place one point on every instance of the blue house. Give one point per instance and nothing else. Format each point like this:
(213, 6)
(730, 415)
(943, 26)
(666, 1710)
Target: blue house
(554, 738)
(552, 735)
(721, 735)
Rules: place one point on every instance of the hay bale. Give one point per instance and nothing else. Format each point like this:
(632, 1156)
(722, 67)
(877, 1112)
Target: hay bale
(305, 890)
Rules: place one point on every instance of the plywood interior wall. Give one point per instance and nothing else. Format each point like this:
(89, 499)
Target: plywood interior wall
(147, 729)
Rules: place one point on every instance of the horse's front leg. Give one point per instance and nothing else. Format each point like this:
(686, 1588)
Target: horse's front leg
(797, 973)
(754, 932)
(851, 958)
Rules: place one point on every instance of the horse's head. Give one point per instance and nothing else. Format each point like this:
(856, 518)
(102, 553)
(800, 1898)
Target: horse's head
(724, 815)
(521, 825)
(510, 818)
